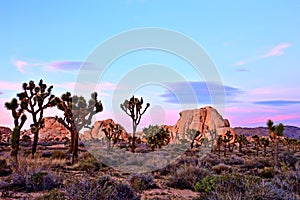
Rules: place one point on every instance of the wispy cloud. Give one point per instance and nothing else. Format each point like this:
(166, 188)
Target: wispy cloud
(23, 65)
(277, 102)
(278, 50)
(69, 65)
(197, 92)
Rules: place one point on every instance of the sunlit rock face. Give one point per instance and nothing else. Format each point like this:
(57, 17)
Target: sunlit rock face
(98, 133)
(204, 120)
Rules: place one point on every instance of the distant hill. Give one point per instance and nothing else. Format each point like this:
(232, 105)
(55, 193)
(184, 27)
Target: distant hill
(289, 131)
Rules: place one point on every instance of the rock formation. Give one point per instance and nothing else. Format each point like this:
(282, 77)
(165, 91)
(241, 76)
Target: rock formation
(98, 133)
(52, 131)
(203, 120)
(4, 134)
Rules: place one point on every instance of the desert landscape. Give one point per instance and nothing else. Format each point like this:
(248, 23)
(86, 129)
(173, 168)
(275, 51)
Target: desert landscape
(200, 157)
(149, 99)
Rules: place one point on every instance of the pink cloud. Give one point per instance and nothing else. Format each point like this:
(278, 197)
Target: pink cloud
(20, 64)
(277, 50)
(4, 85)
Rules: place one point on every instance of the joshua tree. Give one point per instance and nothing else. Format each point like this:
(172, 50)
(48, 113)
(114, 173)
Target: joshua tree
(219, 143)
(192, 135)
(241, 140)
(275, 132)
(112, 133)
(256, 142)
(265, 142)
(35, 99)
(78, 114)
(226, 141)
(133, 108)
(156, 136)
(19, 120)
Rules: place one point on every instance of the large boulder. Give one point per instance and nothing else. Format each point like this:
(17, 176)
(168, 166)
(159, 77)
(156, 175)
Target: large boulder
(98, 133)
(4, 134)
(205, 120)
(52, 131)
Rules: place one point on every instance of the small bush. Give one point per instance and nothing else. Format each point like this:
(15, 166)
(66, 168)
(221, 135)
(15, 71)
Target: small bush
(59, 155)
(267, 172)
(40, 181)
(140, 182)
(4, 168)
(205, 185)
(186, 177)
(104, 188)
(218, 169)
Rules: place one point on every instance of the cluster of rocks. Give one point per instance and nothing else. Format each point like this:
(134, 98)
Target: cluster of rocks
(52, 131)
(204, 120)
(97, 131)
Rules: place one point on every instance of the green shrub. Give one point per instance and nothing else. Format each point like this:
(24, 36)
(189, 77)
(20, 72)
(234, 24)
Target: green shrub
(205, 185)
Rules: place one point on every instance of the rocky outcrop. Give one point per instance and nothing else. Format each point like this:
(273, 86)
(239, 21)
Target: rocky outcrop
(203, 120)
(52, 131)
(98, 133)
(4, 134)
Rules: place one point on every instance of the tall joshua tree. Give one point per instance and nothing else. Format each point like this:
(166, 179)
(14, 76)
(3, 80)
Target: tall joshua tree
(78, 114)
(275, 132)
(35, 99)
(19, 120)
(133, 108)
(257, 143)
(265, 142)
(241, 140)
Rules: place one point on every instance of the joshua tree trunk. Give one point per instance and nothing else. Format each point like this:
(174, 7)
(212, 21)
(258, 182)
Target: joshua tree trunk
(35, 141)
(133, 136)
(276, 152)
(15, 146)
(75, 147)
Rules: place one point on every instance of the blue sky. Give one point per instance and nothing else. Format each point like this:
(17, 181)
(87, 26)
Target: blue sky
(254, 45)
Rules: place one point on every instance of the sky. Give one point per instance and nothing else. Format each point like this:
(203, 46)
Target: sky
(254, 46)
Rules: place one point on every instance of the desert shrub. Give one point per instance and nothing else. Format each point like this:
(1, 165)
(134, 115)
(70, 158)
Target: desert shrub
(4, 168)
(205, 185)
(140, 182)
(40, 181)
(218, 169)
(58, 155)
(288, 181)
(289, 159)
(89, 165)
(104, 188)
(244, 187)
(54, 194)
(258, 163)
(267, 172)
(234, 160)
(186, 177)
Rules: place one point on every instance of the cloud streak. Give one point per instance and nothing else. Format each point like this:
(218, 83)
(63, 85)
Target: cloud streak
(196, 92)
(278, 50)
(277, 102)
(65, 66)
